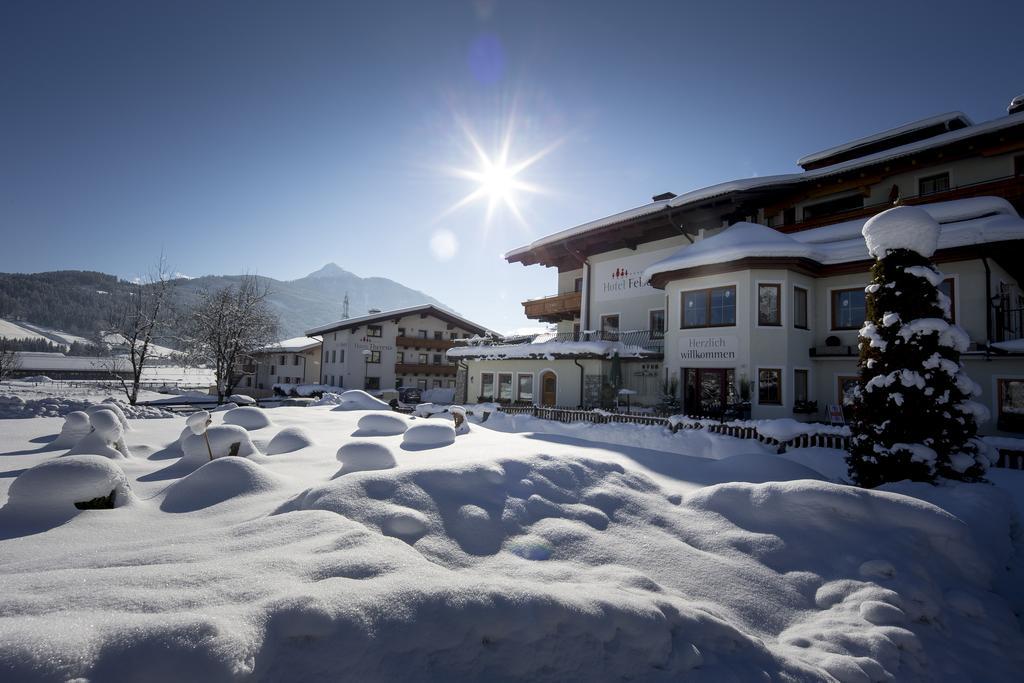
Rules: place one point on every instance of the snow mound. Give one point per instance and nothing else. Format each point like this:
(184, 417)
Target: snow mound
(382, 424)
(247, 417)
(217, 481)
(114, 408)
(429, 409)
(358, 456)
(53, 487)
(76, 425)
(222, 442)
(428, 435)
(242, 400)
(353, 399)
(902, 227)
(106, 437)
(289, 440)
(224, 407)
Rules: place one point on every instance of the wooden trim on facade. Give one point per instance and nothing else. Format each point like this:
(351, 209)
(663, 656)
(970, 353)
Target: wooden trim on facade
(421, 343)
(425, 369)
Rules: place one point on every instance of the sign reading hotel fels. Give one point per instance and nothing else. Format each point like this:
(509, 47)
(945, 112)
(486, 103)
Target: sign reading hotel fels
(622, 278)
(716, 349)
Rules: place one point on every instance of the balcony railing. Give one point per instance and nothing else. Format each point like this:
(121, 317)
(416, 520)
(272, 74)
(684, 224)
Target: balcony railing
(421, 343)
(650, 341)
(552, 309)
(425, 369)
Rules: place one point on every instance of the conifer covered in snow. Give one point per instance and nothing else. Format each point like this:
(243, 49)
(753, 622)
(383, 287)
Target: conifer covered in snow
(914, 416)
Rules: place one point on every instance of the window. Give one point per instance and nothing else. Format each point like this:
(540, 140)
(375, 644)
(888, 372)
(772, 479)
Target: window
(948, 288)
(577, 285)
(341, 356)
(438, 359)
(933, 184)
(451, 384)
(848, 309)
(422, 334)
(401, 331)
(273, 369)
(373, 357)
(657, 323)
(422, 359)
(372, 383)
(487, 386)
(439, 335)
(332, 381)
(789, 216)
(504, 386)
(525, 389)
(769, 306)
(576, 331)
(453, 335)
(847, 387)
(400, 356)
(281, 361)
(437, 384)
(709, 307)
(800, 383)
(610, 327)
(373, 331)
(800, 308)
(1011, 405)
(769, 387)
(334, 355)
(296, 359)
(834, 206)
(421, 384)
(1018, 165)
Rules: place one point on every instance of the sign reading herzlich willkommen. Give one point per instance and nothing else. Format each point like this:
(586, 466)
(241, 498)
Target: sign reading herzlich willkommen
(716, 349)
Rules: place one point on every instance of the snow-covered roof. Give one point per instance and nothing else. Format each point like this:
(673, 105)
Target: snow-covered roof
(293, 345)
(775, 181)
(962, 222)
(398, 313)
(920, 124)
(548, 349)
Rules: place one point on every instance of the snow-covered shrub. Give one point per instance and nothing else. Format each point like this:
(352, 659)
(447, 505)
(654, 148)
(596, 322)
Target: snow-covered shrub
(914, 416)
(114, 408)
(357, 456)
(429, 435)
(76, 425)
(216, 482)
(242, 400)
(56, 486)
(354, 399)
(106, 437)
(223, 440)
(382, 424)
(289, 440)
(247, 417)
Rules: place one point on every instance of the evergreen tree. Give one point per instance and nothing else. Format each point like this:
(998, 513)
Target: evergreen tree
(913, 413)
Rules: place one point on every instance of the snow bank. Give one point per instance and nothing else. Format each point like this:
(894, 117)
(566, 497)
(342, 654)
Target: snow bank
(382, 424)
(247, 417)
(357, 456)
(353, 399)
(222, 441)
(902, 227)
(15, 407)
(53, 487)
(217, 481)
(438, 395)
(289, 440)
(428, 435)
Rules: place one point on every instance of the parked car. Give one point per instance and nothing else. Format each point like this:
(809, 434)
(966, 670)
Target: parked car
(409, 395)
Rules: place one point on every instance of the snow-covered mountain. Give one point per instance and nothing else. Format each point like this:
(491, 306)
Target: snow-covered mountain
(75, 300)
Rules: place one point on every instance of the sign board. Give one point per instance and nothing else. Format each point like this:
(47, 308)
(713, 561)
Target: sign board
(835, 414)
(713, 350)
(622, 278)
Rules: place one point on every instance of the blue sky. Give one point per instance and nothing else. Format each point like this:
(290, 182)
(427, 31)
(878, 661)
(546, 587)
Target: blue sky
(276, 137)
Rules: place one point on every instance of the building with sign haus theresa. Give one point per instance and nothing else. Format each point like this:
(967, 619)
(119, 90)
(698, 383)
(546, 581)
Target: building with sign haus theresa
(751, 293)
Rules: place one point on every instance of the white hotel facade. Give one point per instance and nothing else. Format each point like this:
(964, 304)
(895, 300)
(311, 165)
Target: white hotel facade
(754, 289)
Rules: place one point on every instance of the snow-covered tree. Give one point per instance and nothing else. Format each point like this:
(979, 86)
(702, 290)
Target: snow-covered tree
(227, 326)
(9, 361)
(913, 413)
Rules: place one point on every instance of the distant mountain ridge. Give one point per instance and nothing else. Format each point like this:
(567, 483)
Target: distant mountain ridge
(74, 300)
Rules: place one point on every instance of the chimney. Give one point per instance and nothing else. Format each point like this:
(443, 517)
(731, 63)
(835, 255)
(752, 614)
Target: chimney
(372, 311)
(663, 196)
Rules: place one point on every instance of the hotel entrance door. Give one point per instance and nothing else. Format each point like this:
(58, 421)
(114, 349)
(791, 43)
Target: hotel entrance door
(707, 391)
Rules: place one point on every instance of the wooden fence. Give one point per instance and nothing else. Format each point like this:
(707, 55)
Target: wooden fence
(739, 431)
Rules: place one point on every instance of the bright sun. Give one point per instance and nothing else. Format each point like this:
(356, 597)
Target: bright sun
(496, 178)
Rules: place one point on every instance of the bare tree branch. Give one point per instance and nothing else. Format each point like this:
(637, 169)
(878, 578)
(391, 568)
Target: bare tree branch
(9, 360)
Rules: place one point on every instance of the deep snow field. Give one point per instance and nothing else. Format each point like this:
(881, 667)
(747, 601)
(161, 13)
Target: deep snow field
(351, 545)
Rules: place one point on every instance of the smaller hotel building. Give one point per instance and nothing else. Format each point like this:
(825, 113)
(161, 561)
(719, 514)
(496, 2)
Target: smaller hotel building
(385, 350)
(753, 290)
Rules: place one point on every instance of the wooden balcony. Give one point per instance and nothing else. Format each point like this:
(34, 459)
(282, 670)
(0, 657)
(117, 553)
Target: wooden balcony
(552, 309)
(421, 343)
(446, 369)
